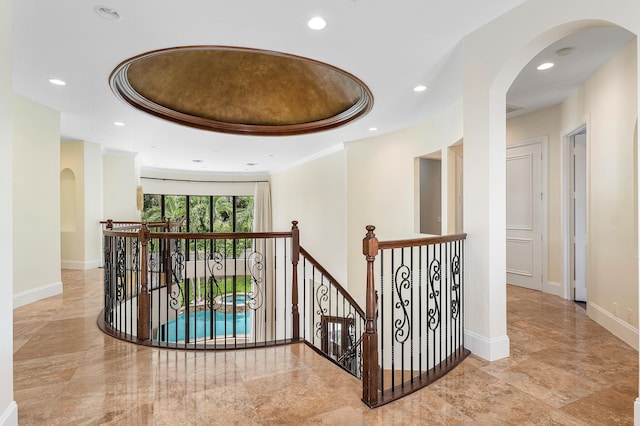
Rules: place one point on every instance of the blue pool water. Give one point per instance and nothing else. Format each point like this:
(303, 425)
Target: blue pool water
(199, 325)
(241, 299)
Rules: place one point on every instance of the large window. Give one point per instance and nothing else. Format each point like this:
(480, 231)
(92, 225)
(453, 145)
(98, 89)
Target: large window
(217, 213)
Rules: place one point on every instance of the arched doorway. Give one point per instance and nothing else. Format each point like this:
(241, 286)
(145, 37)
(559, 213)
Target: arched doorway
(494, 55)
(492, 61)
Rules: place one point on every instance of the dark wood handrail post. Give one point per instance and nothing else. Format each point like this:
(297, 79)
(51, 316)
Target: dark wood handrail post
(295, 257)
(370, 368)
(109, 223)
(144, 298)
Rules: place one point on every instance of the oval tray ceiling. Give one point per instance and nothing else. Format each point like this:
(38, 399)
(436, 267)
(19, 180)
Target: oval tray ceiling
(240, 90)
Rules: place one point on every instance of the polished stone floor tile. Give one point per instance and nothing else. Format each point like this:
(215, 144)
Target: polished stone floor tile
(564, 369)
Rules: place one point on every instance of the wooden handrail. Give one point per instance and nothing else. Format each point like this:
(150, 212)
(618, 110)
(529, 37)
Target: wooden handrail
(374, 391)
(131, 222)
(198, 236)
(333, 281)
(383, 245)
(219, 235)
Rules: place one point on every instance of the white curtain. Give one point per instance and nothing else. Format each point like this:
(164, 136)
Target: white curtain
(262, 207)
(262, 318)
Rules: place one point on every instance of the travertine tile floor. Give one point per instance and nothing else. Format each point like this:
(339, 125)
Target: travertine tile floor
(564, 369)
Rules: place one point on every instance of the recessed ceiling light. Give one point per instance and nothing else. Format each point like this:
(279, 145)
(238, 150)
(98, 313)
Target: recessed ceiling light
(118, 123)
(57, 81)
(317, 23)
(107, 13)
(373, 129)
(545, 66)
(420, 88)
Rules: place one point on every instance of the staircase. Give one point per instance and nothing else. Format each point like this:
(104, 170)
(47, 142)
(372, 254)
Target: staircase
(215, 291)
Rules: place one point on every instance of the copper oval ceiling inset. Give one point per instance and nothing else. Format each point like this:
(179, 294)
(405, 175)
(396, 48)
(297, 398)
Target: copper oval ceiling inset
(242, 91)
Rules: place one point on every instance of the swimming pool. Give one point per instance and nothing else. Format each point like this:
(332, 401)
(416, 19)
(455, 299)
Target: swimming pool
(200, 326)
(241, 299)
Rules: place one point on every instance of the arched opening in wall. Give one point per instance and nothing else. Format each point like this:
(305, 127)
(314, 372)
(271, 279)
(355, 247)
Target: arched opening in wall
(67, 201)
(555, 91)
(598, 111)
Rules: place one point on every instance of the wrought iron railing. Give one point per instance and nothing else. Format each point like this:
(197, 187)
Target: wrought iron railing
(242, 290)
(414, 330)
(334, 322)
(200, 291)
(225, 291)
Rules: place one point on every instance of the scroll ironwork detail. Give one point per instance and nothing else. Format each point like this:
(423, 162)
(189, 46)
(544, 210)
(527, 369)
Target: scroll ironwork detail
(322, 295)
(402, 282)
(258, 280)
(433, 313)
(455, 287)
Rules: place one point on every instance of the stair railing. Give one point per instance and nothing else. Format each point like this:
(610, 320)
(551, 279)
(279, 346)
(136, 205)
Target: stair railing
(414, 330)
(167, 288)
(200, 290)
(333, 320)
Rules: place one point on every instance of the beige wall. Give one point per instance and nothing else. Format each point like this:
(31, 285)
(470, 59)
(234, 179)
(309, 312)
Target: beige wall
(81, 244)
(93, 189)
(36, 202)
(121, 179)
(611, 212)
(546, 122)
(383, 185)
(8, 408)
(314, 194)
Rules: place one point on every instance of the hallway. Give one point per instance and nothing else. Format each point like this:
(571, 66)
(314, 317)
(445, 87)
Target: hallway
(564, 369)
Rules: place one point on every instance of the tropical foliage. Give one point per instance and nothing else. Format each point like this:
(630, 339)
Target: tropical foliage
(228, 214)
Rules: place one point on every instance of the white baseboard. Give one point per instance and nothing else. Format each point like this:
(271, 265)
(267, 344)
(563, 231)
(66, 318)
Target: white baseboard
(636, 412)
(80, 265)
(36, 294)
(491, 349)
(615, 325)
(553, 288)
(9, 416)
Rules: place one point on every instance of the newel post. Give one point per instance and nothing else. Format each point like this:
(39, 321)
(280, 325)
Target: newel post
(144, 298)
(370, 368)
(295, 257)
(109, 224)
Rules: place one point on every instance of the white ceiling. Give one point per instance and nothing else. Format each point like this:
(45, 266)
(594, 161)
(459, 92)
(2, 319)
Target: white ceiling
(391, 48)
(590, 49)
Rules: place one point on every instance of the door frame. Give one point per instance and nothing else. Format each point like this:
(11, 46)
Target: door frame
(566, 193)
(544, 208)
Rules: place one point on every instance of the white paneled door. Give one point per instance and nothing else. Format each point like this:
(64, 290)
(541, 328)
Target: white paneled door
(524, 204)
